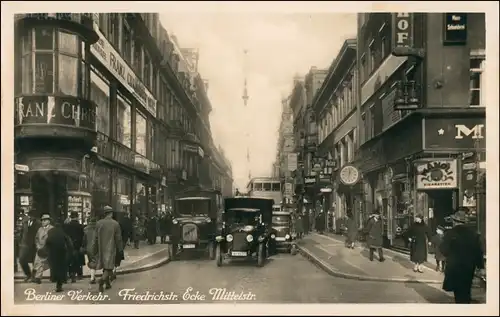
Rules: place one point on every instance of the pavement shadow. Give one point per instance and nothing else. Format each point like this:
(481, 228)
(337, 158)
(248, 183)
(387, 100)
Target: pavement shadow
(429, 293)
(403, 261)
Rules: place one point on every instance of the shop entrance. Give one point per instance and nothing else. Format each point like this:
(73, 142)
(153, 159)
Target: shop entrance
(442, 204)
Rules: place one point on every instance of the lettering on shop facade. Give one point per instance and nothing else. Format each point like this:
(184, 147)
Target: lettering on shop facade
(119, 153)
(69, 111)
(437, 174)
(403, 29)
(455, 133)
(455, 28)
(112, 60)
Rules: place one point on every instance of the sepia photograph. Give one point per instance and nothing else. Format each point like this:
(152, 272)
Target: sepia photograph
(230, 156)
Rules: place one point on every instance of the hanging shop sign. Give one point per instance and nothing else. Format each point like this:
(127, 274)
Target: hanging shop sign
(438, 174)
(455, 28)
(112, 60)
(60, 110)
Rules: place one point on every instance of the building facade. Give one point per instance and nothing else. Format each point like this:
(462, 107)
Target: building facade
(421, 117)
(306, 176)
(335, 107)
(286, 159)
(108, 112)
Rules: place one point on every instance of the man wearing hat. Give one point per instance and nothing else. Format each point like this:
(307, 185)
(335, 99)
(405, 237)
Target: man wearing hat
(462, 249)
(108, 244)
(41, 264)
(374, 230)
(74, 230)
(27, 246)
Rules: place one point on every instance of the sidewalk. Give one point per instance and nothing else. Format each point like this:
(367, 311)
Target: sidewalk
(145, 258)
(329, 252)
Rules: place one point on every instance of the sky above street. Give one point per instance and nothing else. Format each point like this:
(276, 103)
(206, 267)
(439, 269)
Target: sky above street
(280, 46)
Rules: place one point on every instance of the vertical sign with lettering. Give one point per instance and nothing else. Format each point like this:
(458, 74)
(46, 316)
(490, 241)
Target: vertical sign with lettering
(455, 28)
(403, 29)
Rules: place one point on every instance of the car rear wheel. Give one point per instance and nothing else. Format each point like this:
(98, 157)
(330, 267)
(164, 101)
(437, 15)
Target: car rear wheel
(218, 255)
(211, 251)
(261, 256)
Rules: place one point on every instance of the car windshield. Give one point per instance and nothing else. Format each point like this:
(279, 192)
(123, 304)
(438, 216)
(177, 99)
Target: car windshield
(281, 219)
(193, 207)
(239, 217)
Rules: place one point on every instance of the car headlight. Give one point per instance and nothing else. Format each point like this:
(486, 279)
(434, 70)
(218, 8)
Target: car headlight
(249, 238)
(175, 221)
(209, 220)
(219, 238)
(287, 236)
(294, 235)
(229, 237)
(273, 236)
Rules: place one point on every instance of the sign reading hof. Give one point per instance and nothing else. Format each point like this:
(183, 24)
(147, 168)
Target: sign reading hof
(403, 30)
(439, 174)
(67, 110)
(455, 28)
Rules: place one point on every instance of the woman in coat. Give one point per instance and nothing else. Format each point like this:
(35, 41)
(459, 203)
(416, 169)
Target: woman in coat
(374, 231)
(58, 252)
(352, 232)
(299, 226)
(419, 236)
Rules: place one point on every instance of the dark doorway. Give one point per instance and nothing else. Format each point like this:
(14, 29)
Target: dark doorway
(49, 194)
(442, 203)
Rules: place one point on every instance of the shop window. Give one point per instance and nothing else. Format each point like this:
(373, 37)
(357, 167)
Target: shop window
(23, 181)
(100, 94)
(140, 133)
(124, 121)
(44, 48)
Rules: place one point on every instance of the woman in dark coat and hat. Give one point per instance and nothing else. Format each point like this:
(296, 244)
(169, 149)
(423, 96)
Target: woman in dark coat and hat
(462, 248)
(419, 236)
(57, 247)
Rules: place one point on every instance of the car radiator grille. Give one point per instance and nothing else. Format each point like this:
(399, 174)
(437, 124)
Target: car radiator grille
(239, 241)
(190, 233)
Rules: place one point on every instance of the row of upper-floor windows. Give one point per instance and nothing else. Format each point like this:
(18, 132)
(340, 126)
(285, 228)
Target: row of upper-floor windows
(130, 44)
(370, 118)
(378, 48)
(340, 104)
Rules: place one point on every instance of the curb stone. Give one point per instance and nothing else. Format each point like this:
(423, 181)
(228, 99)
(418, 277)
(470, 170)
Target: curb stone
(125, 271)
(308, 254)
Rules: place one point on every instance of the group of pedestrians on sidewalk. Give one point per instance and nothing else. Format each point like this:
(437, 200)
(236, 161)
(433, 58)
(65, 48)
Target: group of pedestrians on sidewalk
(62, 247)
(458, 252)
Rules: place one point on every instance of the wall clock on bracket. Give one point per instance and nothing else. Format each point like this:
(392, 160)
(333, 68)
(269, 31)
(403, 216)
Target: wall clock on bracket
(349, 175)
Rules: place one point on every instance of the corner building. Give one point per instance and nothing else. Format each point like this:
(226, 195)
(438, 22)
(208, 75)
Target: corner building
(421, 117)
(107, 113)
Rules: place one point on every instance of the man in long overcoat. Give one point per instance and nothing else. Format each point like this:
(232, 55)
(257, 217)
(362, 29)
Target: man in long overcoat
(27, 245)
(41, 264)
(74, 230)
(108, 241)
(462, 248)
(374, 240)
(58, 250)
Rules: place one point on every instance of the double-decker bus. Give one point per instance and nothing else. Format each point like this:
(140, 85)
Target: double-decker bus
(266, 187)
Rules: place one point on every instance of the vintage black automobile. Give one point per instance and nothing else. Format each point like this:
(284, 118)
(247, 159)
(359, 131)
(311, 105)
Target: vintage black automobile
(194, 222)
(245, 229)
(281, 233)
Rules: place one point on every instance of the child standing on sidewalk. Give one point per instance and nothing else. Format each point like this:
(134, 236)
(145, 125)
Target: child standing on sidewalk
(436, 243)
